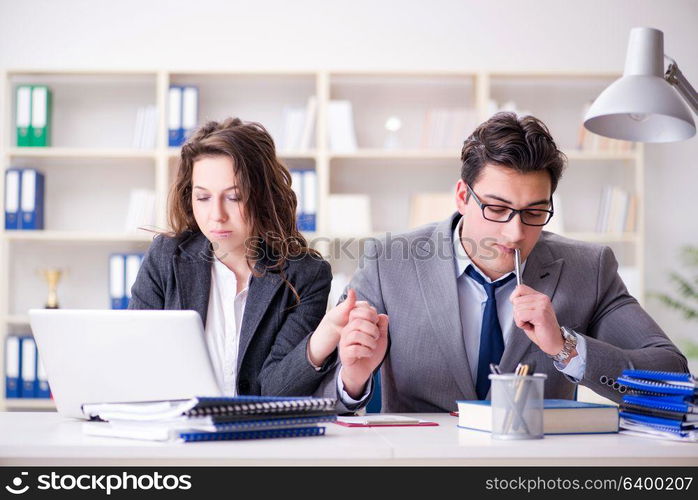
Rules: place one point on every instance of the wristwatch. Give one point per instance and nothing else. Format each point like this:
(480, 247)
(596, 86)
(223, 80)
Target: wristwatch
(570, 343)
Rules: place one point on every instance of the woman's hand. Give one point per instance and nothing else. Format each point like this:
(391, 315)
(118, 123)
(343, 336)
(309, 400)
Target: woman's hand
(326, 337)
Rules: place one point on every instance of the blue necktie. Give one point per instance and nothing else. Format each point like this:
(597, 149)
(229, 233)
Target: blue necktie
(491, 339)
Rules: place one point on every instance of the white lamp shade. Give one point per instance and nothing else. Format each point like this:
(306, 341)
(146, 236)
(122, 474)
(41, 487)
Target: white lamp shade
(641, 106)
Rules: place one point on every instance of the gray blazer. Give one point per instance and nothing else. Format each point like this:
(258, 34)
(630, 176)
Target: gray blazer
(412, 278)
(176, 274)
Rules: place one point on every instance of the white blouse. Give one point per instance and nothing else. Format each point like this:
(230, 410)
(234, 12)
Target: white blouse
(223, 322)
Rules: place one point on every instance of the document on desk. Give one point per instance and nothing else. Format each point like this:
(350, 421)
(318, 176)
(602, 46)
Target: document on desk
(384, 421)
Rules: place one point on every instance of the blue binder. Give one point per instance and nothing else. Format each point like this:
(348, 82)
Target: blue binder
(12, 198)
(42, 387)
(13, 366)
(190, 111)
(175, 131)
(117, 281)
(28, 368)
(307, 218)
(32, 200)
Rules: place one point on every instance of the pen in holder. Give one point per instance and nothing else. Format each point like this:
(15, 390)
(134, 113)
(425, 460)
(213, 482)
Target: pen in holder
(517, 406)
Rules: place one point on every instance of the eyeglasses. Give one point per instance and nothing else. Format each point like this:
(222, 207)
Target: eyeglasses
(503, 214)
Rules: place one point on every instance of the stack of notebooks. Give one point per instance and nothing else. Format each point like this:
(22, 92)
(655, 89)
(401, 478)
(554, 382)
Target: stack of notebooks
(659, 404)
(211, 419)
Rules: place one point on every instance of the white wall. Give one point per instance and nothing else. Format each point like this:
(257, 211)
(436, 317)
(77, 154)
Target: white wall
(405, 34)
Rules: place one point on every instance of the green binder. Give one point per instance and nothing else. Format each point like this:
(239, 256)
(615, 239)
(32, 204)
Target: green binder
(41, 116)
(23, 114)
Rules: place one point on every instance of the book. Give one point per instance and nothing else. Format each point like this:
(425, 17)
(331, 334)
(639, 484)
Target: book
(384, 421)
(340, 124)
(447, 128)
(560, 416)
(294, 120)
(145, 129)
(306, 138)
(141, 210)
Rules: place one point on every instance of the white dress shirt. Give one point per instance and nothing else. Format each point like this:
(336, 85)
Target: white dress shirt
(226, 308)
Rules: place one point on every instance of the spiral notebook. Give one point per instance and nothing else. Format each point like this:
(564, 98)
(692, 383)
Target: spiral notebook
(247, 406)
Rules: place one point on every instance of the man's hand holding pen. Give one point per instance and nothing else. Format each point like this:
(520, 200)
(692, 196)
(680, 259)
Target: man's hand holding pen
(534, 314)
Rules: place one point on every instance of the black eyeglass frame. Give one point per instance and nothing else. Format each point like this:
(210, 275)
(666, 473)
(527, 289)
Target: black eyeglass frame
(512, 211)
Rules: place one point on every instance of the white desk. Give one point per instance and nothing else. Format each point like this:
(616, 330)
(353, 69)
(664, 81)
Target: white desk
(47, 439)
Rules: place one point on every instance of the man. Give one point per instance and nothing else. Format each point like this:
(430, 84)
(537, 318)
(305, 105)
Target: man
(453, 304)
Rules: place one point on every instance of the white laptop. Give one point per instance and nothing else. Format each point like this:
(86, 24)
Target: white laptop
(109, 356)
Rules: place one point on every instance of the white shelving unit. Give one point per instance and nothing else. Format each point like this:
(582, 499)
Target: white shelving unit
(91, 165)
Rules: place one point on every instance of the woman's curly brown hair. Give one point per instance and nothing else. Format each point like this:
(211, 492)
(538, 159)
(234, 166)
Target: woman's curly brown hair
(263, 182)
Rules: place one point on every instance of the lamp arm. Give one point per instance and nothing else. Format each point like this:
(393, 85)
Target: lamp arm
(675, 77)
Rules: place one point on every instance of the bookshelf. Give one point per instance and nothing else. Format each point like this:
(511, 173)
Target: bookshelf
(92, 163)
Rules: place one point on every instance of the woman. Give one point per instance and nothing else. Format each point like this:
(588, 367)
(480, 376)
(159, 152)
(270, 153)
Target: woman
(236, 257)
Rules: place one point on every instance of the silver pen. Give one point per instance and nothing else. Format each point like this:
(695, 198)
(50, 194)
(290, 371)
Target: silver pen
(517, 264)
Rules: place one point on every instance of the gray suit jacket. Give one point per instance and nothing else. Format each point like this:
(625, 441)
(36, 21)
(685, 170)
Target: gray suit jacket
(176, 274)
(411, 277)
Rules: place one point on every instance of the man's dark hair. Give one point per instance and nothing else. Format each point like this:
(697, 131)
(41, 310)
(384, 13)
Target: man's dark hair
(521, 143)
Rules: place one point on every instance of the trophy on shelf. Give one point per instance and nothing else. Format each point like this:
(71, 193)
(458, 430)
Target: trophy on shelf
(52, 276)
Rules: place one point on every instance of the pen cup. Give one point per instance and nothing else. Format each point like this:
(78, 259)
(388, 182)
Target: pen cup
(517, 406)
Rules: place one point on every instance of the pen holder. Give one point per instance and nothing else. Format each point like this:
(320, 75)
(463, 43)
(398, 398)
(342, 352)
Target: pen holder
(517, 406)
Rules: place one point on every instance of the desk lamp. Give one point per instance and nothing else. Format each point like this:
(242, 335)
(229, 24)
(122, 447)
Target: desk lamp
(644, 105)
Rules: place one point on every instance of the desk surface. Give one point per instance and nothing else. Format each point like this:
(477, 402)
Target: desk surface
(34, 438)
